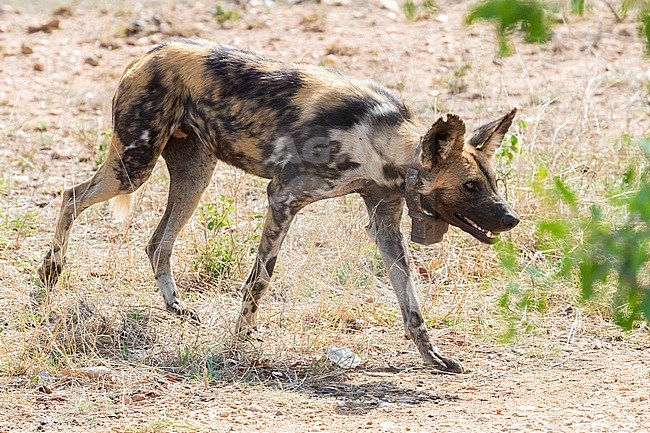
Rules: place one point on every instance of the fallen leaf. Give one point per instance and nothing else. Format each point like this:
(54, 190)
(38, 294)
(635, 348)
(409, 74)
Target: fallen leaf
(94, 373)
(424, 273)
(172, 378)
(47, 27)
(44, 389)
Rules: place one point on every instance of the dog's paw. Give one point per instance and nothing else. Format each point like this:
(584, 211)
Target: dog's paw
(453, 365)
(50, 269)
(182, 310)
(245, 333)
(443, 363)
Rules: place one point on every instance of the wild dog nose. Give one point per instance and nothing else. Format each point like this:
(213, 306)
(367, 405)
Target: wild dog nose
(510, 220)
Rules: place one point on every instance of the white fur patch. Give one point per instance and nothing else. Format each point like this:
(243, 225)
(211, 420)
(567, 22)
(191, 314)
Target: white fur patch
(145, 137)
(120, 206)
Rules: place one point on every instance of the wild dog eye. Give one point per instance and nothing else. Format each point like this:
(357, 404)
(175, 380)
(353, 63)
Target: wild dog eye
(470, 185)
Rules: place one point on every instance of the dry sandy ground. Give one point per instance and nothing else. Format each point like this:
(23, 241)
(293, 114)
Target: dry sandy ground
(575, 373)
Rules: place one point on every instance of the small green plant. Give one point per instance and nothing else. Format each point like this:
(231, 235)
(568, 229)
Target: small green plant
(604, 251)
(102, 146)
(456, 82)
(430, 5)
(14, 228)
(348, 275)
(534, 18)
(531, 16)
(510, 148)
(225, 250)
(223, 15)
(410, 10)
(416, 11)
(217, 215)
(642, 8)
(578, 7)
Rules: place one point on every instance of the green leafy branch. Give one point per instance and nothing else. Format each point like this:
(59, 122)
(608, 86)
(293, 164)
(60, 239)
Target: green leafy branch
(535, 18)
(607, 246)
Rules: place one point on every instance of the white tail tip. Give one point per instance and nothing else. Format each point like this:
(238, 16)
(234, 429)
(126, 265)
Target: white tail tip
(120, 206)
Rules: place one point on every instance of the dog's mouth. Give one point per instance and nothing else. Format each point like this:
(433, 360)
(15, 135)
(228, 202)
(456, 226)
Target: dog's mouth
(469, 226)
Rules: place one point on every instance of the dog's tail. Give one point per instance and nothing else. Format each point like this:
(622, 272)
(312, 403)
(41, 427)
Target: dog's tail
(120, 206)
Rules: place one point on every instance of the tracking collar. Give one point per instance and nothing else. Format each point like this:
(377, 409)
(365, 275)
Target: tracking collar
(425, 229)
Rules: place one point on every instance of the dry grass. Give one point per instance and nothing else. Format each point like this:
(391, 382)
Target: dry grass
(330, 288)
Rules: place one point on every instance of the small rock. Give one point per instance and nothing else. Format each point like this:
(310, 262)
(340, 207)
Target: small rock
(255, 408)
(165, 29)
(597, 345)
(110, 44)
(98, 372)
(6, 9)
(44, 376)
(26, 49)
(343, 357)
(391, 5)
(91, 61)
(330, 60)
(38, 66)
(387, 425)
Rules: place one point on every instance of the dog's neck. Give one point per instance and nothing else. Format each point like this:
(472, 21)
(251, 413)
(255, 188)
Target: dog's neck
(399, 151)
(406, 143)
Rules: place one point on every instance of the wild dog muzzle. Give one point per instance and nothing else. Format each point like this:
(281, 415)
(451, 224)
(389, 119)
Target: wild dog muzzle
(425, 229)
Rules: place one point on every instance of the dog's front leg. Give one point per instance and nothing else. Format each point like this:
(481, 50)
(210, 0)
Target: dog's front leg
(384, 228)
(283, 206)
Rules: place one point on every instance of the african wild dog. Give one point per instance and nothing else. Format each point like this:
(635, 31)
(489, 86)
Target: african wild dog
(315, 133)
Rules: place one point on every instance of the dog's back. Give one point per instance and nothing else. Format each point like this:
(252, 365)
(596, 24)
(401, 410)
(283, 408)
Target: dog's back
(254, 113)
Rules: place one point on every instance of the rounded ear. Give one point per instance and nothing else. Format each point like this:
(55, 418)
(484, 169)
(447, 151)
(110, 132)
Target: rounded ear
(488, 137)
(444, 138)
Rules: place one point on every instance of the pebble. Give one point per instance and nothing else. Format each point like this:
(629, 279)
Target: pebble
(91, 61)
(255, 408)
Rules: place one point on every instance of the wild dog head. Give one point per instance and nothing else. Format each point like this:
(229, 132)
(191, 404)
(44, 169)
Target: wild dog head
(458, 180)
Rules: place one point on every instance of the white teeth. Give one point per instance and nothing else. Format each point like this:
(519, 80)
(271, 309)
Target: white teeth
(426, 212)
(477, 227)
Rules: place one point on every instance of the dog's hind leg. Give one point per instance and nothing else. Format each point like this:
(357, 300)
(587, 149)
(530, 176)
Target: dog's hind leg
(103, 185)
(384, 228)
(190, 167)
